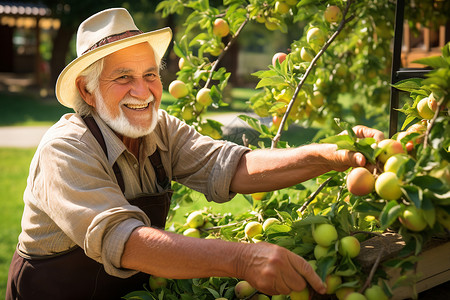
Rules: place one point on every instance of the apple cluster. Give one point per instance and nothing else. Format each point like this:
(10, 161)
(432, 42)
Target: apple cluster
(194, 223)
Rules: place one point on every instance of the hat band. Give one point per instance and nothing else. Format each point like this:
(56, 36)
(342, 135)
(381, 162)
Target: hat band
(113, 38)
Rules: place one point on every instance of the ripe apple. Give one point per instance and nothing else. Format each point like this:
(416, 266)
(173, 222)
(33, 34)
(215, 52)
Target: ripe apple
(424, 110)
(315, 38)
(320, 251)
(360, 181)
(280, 56)
(195, 219)
(178, 89)
(281, 7)
(332, 281)
(389, 147)
(412, 218)
(356, 296)
(269, 222)
(243, 289)
(333, 14)
(192, 232)
(375, 292)
(271, 25)
(349, 246)
(220, 27)
(302, 295)
(324, 234)
(203, 97)
(253, 228)
(157, 282)
(259, 196)
(276, 121)
(387, 186)
(343, 292)
(394, 163)
(307, 54)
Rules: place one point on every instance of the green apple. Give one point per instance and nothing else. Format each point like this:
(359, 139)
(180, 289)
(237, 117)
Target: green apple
(320, 251)
(315, 38)
(220, 27)
(412, 218)
(324, 234)
(195, 219)
(333, 14)
(349, 246)
(394, 163)
(343, 292)
(424, 110)
(307, 54)
(375, 292)
(387, 186)
(156, 282)
(302, 295)
(389, 148)
(317, 100)
(178, 89)
(203, 97)
(253, 228)
(360, 181)
(279, 297)
(192, 232)
(332, 281)
(281, 7)
(356, 296)
(187, 113)
(269, 222)
(243, 289)
(260, 297)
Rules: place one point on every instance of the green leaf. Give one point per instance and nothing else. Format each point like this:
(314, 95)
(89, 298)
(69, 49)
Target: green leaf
(435, 62)
(270, 81)
(256, 124)
(324, 264)
(414, 194)
(390, 213)
(138, 295)
(409, 85)
(342, 141)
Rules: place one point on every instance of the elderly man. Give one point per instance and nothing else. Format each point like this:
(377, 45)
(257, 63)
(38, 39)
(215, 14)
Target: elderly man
(98, 191)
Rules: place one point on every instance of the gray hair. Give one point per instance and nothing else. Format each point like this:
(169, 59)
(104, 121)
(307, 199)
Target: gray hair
(92, 77)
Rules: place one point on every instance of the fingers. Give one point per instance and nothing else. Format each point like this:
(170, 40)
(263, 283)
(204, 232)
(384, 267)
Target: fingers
(364, 131)
(303, 268)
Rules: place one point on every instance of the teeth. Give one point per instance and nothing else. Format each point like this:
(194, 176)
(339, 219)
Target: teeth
(136, 106)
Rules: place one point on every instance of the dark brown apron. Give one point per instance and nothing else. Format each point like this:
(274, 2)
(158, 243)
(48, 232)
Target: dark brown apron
(73, 275)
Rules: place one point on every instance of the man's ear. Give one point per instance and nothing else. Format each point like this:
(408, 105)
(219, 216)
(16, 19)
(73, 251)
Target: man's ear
(87, 96)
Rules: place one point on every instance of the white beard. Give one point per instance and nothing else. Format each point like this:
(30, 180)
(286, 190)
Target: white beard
(121, 124)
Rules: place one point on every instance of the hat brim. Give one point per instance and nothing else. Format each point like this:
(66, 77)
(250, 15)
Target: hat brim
(66, 90)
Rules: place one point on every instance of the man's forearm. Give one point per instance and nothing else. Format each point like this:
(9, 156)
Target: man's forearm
(175, 256)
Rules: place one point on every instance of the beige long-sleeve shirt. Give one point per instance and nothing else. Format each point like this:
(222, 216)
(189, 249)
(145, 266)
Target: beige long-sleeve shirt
(72, 197)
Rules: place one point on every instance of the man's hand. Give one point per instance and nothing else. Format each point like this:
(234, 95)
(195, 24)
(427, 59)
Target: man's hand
(366, 132)
(274, 270)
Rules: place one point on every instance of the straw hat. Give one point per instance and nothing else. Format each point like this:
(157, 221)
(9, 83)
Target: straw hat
(100, 35)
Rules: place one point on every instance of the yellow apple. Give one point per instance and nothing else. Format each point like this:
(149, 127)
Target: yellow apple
(333, 14)
(269, 222)
(389, 147)
(281, 7)
(302, 295)
(259, 195)
(332, 281)
(413, 219)
(375, 292)
(253, 228)
(355, 296)
(203, 97)
(307, 54)
(178, 89)
(220, 27)
(387, 186)
(195, 219)
(192, 232)
(243, 289)
(349, 246)
(424, 110)
(324, 234)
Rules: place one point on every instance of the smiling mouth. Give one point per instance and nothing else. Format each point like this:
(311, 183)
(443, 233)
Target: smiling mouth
(137, 106)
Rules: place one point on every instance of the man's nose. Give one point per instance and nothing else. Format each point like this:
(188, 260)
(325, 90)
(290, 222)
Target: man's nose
(140, 89)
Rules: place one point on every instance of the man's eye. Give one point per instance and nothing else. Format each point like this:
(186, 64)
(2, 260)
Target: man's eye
(151, 76)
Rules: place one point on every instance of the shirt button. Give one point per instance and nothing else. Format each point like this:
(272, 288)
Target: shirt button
(135, 166)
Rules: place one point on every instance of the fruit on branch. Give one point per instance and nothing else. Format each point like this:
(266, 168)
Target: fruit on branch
(276, 121)
(203, 97)
(324, 234)
(389, 147)
(332, 281)
(356, 296)
(349, 246)
(343, 292)
(178, 89)
(269, 222)
(281, 7)
(192, 232)
(320, 251)
(181, 63)
(360, 181)
(280, 56)
(157, 282)
(333, 14)
(443, 217)
(195, 219)
(412, 218)
(243, 289)
(259, 196)
(260, 297)
(394, 163)
(220, 27)
(375, 292)
(302, 295)
(271, 25)
(252, 229)
(424, 110)
(315, 38)
(318, 99)
(307, 54)
(187, 113)
(387, 186)
(279, 297)
(432, 102)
